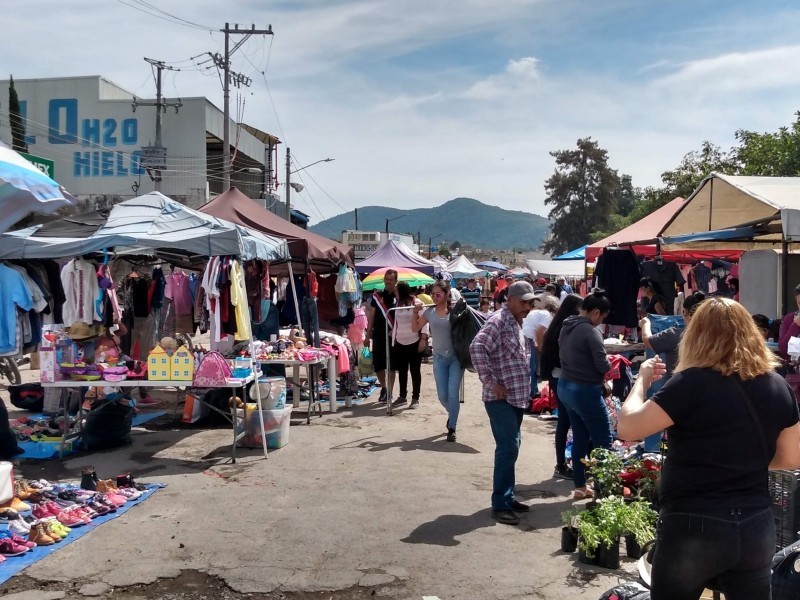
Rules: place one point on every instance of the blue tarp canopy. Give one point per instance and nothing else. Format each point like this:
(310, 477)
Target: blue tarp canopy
(577, 254)
(491, 265)
(733, 233)
(148, 224)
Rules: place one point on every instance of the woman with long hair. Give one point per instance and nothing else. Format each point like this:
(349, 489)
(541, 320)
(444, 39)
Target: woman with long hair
(584, 365)
(447, 371)
(730, 418)
(407, 346)
(550, 367)
(653, 302)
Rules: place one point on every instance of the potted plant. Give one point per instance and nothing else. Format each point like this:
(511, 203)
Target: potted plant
(569, 532)
(605, 467)
(639, 525)
(599, 530)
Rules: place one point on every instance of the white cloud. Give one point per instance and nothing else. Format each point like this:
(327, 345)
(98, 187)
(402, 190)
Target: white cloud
(519, 76)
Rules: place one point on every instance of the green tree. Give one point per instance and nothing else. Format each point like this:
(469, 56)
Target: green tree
(455, 245)
(444, 252)
(694, 167)
(15, 119)
(628, 196)
(770, 154)
(583, 192)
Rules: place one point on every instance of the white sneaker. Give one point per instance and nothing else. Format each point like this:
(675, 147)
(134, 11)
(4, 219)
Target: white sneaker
(19, 526)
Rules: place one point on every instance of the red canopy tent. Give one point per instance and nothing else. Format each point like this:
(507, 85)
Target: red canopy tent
(306, 248)
(641, 238)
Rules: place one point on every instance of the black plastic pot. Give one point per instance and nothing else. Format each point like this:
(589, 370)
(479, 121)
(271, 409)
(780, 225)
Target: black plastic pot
(588, 560)
(569, 539)
(608, 556)
(632, 548)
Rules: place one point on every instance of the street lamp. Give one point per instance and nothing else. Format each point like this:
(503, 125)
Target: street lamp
(430, 243)
(393, 219)
(296, 186)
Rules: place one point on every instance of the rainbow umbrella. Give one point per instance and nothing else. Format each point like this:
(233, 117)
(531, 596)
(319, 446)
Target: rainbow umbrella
(374, 281)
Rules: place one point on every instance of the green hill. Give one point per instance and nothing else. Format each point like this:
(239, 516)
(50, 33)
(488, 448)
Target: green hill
(464, 219)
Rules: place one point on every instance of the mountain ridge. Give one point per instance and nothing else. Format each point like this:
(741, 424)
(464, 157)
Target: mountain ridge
(466, 220)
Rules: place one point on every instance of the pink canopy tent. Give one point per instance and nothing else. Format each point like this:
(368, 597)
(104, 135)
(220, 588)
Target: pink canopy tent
(641, 238)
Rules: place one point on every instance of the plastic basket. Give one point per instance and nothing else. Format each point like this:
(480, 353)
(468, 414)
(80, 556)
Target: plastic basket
(785, 506)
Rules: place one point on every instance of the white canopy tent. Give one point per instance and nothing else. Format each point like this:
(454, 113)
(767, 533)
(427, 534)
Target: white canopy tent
(770, 205)
(462, 268)
(555, 268)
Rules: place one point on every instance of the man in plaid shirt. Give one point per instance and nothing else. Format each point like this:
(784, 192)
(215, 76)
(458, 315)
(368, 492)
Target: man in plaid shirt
(501, 357)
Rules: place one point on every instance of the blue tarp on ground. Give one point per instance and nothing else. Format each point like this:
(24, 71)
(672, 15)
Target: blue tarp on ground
(47, 450)
(15, 564)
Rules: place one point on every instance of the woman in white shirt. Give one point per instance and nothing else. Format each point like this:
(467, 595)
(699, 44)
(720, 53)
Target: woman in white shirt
(533, 327)
(407, 346)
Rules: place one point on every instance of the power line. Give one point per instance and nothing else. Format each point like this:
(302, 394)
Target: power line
(164, 16)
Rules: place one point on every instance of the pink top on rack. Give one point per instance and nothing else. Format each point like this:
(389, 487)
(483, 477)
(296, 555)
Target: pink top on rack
(177, 288)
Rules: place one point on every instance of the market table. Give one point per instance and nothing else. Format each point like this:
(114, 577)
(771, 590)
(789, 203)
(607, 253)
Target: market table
(233, 384)
(624, 347)
(313, 403)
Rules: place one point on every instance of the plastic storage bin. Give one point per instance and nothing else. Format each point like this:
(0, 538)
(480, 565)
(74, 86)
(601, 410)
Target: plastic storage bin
(273, 393)
(276, 424)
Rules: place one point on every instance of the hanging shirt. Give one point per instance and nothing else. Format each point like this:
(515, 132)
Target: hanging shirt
(14, 294)
(618, 273)
(80, 287)
(239, 301)
(177, 288)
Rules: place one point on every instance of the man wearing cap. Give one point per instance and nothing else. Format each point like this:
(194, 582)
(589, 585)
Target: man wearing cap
(502, 297)
(471, 293)
(501, 357)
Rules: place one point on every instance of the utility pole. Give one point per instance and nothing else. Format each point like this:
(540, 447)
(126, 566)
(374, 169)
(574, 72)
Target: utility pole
(225, 64)
(154, 157)
(288, 186)
(356, 213)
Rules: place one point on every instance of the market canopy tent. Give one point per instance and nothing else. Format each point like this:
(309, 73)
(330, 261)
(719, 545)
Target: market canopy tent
(491, 265)
(145, 224)
(577, 254)
(462, 268)
(728, 211)
(305, 247)
(566, 268)
(395, 254)
(24, 189)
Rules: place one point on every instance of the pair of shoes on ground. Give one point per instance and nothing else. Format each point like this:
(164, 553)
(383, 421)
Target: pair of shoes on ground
(508, 516)
(562, 472)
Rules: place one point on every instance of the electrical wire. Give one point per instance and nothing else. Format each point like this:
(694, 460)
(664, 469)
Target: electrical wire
(164, 16)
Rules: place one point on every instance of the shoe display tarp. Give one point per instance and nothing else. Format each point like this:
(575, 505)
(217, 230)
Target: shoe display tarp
(50, 449)
(15, 564)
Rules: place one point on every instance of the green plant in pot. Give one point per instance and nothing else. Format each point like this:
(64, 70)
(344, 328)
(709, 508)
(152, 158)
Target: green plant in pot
(639, 526)
(599, 529)
(605, 468)
(569, 532)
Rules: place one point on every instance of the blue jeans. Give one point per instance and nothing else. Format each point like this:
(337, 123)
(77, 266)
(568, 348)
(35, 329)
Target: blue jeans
(447, 373)
(591, 426)
(505, 421)
(562, 426)
(732, 546)
(534, 369)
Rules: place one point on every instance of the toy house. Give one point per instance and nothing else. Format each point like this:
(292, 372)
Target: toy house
(182, 368)
(159, 365)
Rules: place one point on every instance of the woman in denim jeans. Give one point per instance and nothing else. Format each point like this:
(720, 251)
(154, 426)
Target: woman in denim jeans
(729, 417)
(447, 371)
(584, 365)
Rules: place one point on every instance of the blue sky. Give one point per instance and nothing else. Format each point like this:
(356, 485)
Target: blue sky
(421, 101)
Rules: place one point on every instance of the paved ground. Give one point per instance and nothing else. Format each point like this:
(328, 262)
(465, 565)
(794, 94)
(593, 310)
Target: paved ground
(358, 505)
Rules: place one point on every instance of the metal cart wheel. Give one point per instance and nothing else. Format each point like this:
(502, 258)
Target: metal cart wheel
(9, 370)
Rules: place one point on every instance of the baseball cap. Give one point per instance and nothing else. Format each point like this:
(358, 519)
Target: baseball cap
(509, 276)
(541, 281)
(522, 290)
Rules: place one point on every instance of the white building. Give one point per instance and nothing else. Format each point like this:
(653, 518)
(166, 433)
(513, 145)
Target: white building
(365, 243)
(89, 128)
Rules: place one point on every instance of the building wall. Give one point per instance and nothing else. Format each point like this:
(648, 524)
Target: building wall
(88, 127)
(365, 243)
